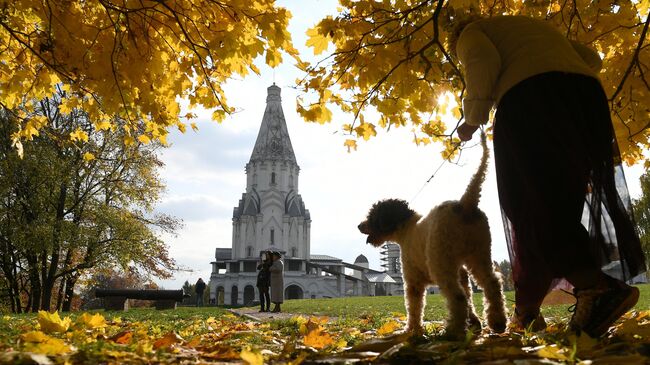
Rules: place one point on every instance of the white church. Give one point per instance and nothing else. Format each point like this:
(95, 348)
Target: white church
(271, 215)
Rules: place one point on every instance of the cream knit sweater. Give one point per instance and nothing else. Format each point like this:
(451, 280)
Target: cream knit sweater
(497, 53)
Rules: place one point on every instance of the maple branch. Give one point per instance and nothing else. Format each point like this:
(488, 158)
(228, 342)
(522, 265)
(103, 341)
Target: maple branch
(635, 58)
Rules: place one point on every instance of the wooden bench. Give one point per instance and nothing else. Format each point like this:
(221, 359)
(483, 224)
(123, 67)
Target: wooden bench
(116, 299)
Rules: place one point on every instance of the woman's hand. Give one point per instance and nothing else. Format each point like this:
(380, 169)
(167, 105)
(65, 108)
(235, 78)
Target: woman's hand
(465, 131)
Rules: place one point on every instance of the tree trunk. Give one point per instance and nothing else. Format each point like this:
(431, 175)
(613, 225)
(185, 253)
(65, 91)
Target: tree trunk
(8, 269)
(59, 295)
(70, 282)
(49, 275)
(34, 283)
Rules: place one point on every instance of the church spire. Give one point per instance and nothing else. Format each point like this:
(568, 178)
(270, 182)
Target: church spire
(273, 142)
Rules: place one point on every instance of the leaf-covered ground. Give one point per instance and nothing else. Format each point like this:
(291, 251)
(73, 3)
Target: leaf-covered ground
(348, 330)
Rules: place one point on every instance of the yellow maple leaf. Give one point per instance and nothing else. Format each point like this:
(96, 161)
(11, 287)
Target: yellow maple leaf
(366, 130)
(102, 125)
(583, 342)
(632, 327)
(52, 346)
(79, 135)
(350, 143)
(252, 357)
(88, 157)
(317, 41)
(91, 321)
(273, 57)
(388, 327)
(553, 352)
(144, 139)
(167, 340)
(34, 336)
(318, 339)
(122, 338)
(40, 343)
(51, 322)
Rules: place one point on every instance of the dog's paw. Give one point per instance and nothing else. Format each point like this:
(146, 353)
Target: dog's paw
(498, 327)
(474, 324)
(415, 331)
(498, 324)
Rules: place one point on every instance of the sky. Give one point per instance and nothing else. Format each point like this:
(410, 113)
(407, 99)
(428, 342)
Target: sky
(205, 177)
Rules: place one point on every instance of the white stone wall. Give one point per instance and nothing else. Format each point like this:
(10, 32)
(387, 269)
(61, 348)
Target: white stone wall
(312, 286)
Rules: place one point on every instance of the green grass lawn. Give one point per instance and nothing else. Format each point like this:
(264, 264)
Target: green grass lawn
(356, 307)
(145, 336)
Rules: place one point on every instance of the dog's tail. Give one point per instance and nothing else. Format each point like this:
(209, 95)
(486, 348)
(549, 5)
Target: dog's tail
(469, 200)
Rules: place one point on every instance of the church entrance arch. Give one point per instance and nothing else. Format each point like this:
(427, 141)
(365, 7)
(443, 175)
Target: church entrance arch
(293, 292)
(234, 294)
(249, 294)
(220, 296)
(380, 290)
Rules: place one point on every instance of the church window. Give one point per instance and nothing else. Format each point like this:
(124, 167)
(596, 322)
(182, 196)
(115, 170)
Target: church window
(294, 265)
(290, 181)
(273, 178)
(272, 236)
(249, 251)
(294, 252)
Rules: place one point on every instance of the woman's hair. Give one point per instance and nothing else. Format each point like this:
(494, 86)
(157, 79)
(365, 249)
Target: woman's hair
(456, 28)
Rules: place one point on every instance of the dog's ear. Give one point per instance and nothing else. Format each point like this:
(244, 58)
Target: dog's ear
(387, 216)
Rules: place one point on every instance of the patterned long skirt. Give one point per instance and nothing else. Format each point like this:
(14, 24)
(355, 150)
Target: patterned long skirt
(564, 200)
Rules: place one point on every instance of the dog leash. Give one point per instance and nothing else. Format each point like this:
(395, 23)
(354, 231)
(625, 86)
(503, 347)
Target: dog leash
(458, 145)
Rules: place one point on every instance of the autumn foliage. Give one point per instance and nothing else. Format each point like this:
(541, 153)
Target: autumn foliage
(132, 59)
(207, 336)
(392, 64)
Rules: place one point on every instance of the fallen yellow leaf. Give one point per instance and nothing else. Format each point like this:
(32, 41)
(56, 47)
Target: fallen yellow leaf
(631, 327)
(51, 322)
(34, 336)
(122, 338)
(318, 339)
(252, 357)
(388, 327)
(40, 343)
(91, 321)
(167, 340)
(553, 352)
(583, 342)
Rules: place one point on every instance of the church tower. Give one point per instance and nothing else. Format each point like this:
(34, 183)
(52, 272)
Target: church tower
(271, 214)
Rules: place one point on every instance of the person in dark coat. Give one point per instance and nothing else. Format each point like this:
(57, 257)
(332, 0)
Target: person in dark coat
(264, 281)
(277, 281)
(199, 288)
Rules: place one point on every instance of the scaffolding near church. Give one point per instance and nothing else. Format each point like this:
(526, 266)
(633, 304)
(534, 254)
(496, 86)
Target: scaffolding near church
(390, 258)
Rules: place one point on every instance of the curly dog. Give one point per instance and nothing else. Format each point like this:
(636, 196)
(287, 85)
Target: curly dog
(440, 249)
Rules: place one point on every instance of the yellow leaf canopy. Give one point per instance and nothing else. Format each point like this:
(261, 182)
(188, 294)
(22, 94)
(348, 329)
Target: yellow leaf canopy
(132, 59)
(395, 59)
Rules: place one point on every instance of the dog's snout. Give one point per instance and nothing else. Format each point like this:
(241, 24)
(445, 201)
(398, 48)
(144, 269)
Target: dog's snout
(363, 227)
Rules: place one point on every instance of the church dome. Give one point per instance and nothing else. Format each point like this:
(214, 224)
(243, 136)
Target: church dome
(361, 259)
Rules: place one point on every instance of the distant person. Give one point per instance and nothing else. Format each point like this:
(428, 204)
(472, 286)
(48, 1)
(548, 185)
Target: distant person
(277, 281)
(264, 281)
(199, 288)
